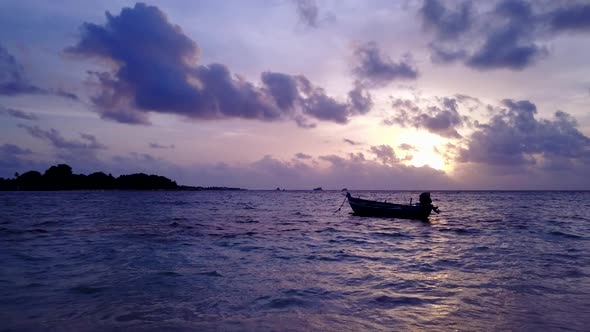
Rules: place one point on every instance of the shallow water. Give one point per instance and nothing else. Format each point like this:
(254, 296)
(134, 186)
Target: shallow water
(265, 260)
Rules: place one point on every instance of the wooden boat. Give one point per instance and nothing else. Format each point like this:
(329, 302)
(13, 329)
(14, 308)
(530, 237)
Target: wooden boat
(421, 211)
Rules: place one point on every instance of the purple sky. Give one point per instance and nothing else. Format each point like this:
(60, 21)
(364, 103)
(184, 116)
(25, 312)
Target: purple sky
(300, 93)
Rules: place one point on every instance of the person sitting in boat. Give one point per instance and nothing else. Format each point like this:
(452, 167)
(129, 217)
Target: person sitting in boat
(425, 200)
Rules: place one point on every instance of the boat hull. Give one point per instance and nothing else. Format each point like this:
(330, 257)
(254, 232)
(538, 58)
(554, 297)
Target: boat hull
(363, 207)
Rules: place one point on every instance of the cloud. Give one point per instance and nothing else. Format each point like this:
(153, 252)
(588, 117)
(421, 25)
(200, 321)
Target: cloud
(442, 55)
(12, 78)
(407, 147)
(351, 142)
(323, 107)
(301, 155)
(511, 34)
(573, 18)
(11, 149)
(359, 100)
(136, 158)
(372, 69)
(441, 118)
(14, 82)
(64, 94)
(283, 88)
(156, 70)
(54, 137)
(296, 94)
(385, 154)
(13, 159)
(308, 12)
(507, 47)
(351, 171)
(160, 146)
(447, 23)
(514, 140)
(17, 113)
(80, 153)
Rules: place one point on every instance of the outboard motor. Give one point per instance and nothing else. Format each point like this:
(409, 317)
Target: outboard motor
(426, 201)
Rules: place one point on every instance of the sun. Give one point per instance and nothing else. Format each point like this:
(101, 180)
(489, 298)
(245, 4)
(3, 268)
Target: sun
(427, 150)
(428, 158)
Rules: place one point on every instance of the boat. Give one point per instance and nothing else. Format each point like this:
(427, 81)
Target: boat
(318, 189)
(420, 211)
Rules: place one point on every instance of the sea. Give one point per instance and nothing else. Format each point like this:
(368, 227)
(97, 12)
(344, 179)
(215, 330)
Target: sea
(290, 261)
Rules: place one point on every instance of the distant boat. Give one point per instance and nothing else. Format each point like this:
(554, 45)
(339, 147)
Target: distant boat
(318, 189)
(365, 207)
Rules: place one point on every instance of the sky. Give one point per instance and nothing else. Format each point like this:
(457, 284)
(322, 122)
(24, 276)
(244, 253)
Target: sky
(298, 94)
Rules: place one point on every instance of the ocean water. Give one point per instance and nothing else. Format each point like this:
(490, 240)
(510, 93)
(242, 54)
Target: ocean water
(284, 261)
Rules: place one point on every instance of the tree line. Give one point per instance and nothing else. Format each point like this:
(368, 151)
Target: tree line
(60, 177)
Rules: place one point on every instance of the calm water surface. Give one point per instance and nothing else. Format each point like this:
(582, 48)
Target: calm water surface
(259, 261)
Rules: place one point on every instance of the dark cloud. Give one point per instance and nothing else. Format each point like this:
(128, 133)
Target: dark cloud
(323, 107)
(302, 155)
(442, 55)
(511, 34)
(11, 149)
(372, 69)
(351, 142)
(160, 146)
(54, 137)
(308, 12)
(12, 77)
(360, 101)
(82, 153)
(13, 80)
(283, 88)
(295, 94)
(442, 119)
(17, 113)
(337, 161)
(136, 158)
(447, 23)
(303, 122)
(13, 159)
(507, 47)
(65, 94)
(461, 98)
(157, 71)
(222, 95)
(114, 100)
(576, 17)
(11, 71)
(354, 171)
(385, 154)
(407, 147)
(515, 140)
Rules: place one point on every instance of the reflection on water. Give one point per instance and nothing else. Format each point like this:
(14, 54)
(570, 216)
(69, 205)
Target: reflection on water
(285, 261)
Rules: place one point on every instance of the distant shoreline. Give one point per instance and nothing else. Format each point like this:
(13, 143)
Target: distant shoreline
(101, 190)
(61, 178)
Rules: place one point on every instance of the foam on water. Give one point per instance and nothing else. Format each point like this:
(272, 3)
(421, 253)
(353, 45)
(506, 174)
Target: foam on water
(238, 261)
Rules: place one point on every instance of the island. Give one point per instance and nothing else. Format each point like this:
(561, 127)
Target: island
(61, 177)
